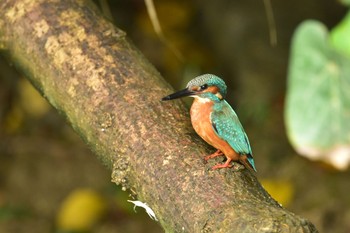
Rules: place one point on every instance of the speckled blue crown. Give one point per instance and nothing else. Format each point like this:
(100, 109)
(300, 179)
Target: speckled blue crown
(210, 80)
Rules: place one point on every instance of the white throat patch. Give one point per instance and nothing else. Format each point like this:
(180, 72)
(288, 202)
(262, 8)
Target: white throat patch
(202, 100)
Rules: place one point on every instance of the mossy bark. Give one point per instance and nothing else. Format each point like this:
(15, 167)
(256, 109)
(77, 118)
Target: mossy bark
(110, 94)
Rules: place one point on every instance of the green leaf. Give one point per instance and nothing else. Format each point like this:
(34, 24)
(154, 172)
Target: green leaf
(317, 111)
(345, 2)
(340, 36)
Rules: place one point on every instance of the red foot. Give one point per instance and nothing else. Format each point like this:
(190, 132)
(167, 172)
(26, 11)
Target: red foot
(225, 165)
(217, 153)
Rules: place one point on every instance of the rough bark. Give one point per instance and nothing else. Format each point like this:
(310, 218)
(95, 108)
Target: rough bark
(110, 94)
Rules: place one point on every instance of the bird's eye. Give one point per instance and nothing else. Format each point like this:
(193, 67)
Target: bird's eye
(205, 86)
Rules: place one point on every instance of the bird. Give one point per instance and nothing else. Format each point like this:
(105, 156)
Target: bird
(215, 121)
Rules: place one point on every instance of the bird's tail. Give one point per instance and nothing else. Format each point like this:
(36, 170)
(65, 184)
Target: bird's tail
(248, 162)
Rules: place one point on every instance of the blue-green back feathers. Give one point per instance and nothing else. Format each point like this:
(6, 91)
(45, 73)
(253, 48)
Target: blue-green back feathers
(228, 127)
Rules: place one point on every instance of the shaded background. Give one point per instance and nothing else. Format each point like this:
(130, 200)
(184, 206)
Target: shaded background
(41, 189)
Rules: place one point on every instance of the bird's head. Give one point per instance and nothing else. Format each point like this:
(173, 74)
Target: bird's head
(204, 86)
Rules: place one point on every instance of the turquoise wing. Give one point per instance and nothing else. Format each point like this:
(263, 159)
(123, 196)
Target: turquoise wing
(228, 127)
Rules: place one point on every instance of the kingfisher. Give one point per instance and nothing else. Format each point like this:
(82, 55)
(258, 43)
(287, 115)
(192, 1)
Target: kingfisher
(215, 121)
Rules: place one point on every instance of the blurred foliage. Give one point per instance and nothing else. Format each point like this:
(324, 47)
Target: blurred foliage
(281, 190)
(10, 212)
(345, 2)
(175, 18)
(340, 36)
(80, 211)
(28, 102)
(318, 97)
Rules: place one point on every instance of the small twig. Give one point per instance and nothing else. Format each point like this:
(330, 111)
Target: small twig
(106, 10)
(271, 22)
(157, 28)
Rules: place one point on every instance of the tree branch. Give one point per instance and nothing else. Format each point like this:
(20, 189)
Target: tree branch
(110, 94)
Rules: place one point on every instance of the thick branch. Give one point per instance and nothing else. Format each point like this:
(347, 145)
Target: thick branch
(110, 94)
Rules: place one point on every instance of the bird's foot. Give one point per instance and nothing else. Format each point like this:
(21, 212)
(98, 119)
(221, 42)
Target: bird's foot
(217, 153)
(225, 165)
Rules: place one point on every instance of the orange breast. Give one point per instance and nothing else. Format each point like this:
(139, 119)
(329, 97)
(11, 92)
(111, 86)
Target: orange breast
(200, 118)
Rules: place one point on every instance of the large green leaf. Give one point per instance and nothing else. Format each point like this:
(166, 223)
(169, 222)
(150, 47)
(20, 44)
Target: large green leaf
(317, 109)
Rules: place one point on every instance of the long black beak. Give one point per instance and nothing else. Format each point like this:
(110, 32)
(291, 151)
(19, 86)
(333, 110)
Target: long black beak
(179, 94)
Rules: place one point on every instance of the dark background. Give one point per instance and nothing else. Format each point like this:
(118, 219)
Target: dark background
(39, 152)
